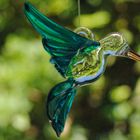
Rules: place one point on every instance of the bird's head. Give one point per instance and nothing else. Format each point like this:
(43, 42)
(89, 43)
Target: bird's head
(116, 45)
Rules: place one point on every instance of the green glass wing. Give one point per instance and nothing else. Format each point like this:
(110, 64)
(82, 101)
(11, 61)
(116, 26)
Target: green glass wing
(61, 43)
(59, 102)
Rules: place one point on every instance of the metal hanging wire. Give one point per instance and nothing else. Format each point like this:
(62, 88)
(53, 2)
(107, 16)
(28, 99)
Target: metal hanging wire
(79, 12)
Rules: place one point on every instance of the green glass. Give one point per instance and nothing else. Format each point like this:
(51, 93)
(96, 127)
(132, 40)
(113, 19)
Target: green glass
(77, 57)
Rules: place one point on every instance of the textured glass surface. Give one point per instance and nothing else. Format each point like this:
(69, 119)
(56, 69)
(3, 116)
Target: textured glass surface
(77, 57)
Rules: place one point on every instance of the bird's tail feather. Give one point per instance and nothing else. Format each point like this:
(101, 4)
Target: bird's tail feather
(59, 102)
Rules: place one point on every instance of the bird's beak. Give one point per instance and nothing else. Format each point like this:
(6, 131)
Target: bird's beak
(132, 55)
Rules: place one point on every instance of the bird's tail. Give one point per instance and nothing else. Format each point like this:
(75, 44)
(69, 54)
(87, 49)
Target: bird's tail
(59, 102)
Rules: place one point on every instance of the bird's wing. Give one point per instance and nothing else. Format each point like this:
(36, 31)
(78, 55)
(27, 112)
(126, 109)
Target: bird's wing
(61, 43)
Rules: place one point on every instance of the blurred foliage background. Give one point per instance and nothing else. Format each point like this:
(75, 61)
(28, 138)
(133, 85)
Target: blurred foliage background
(108, 109)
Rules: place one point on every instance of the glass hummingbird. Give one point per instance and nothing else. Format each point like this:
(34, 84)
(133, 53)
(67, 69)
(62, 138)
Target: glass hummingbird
(77, 57)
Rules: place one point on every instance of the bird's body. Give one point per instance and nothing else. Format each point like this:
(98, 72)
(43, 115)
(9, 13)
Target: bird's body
(86, 66)
(77, 57)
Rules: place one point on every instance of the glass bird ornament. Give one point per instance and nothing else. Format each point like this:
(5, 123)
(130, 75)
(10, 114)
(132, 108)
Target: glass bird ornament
(77, 57)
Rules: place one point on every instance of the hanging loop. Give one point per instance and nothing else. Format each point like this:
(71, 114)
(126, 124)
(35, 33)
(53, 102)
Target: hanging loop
(85, 32)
